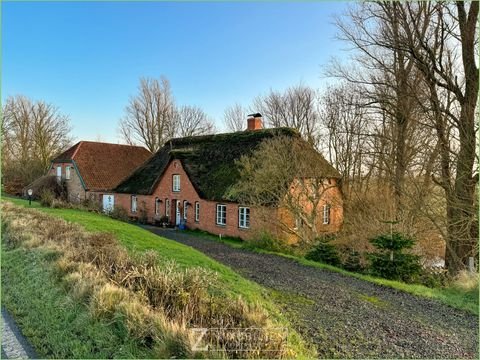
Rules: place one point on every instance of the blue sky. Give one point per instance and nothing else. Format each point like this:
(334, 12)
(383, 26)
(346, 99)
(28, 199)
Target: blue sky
(87, 58)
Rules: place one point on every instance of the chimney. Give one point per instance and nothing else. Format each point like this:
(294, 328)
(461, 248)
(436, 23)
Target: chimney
(254, 121)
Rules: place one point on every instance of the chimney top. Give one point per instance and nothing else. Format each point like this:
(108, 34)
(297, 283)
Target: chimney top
(254, 122)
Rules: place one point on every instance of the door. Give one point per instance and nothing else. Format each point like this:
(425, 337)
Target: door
(177, 212)
(108, 203)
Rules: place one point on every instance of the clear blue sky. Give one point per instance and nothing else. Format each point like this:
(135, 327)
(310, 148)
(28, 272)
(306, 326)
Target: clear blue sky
(87, 58)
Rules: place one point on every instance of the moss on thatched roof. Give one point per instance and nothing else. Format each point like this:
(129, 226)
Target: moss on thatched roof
(210, 162)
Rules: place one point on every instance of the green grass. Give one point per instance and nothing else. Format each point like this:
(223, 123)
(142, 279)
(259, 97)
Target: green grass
(57, 325)
(136, 239)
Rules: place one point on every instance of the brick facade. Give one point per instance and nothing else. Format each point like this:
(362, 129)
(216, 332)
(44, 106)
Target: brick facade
(208, 209)
(75, 188)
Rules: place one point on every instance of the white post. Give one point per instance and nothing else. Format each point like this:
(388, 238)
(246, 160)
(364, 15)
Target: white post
(471, 264)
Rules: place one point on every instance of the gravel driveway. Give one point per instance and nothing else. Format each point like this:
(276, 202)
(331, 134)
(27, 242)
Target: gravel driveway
(346, 317)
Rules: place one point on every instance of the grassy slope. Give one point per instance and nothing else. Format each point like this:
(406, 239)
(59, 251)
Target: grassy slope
(136, 239)
(51, 319)
(452, 296)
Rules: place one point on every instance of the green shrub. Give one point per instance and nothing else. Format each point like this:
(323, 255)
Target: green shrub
(50, 183)
(433, 279)
(46, 197)
(324, 252)
(92, 205)
(266, 241)
(143, 214)
(353, 262)
(390, 262)
(119, 213)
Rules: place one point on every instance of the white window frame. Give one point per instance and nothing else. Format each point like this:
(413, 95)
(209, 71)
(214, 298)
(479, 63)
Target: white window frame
(67, 172)
(326, 214)
(133, 204)
(167, 208)
(59, 172)
(197, 211)
(221, 210)
(243, 217)
(157, 206)
(185, 206)
(176, 183)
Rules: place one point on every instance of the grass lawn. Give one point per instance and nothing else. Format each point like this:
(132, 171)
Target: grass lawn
(56, 324)
(452, 296)
(136, 239)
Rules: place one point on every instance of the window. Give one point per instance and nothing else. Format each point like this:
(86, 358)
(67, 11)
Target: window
(298, 223)
(185, 206)
(134, 204)
(197, 211)
(167, 208)
(176, 183)
(59, 172)
(221, 214)
(67, 173)
(244, 217)
(326, 214)
(157, 206)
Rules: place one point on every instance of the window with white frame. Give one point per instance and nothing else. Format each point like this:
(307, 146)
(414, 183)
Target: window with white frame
(67, 173)
(133, 204)
(298, 223)
(59, 172)
(157, 206)
(176, 183)
(185, 207)
(244, 217)
(197, 211)
(221, 214)
(167, 208)
(326, 214)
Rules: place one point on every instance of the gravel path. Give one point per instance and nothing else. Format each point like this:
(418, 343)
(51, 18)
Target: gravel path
(346, 317)
(14, 344)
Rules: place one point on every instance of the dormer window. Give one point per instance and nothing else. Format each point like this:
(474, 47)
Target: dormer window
(67, 172)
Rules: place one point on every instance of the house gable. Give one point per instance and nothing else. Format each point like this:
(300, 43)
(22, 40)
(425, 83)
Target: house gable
(102, 166)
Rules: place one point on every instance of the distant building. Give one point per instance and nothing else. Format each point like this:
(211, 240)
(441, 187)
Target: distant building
(92, 169)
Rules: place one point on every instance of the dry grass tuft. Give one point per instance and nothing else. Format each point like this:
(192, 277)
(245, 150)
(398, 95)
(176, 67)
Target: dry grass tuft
(466, 280)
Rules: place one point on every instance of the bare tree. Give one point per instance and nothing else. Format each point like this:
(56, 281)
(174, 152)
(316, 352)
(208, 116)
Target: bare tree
(295, 108)
(417, 64)
(32, 134)
(50, 131)
(440, 38)
(288, 174)
(235, 117)
(388, 81)
(149, 115)
(192, 121)
(345, 133)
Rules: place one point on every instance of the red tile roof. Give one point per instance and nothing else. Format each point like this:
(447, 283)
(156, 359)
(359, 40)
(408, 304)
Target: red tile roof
(103, 166)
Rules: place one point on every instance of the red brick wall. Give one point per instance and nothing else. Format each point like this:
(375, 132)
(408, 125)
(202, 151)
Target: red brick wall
(207, 220)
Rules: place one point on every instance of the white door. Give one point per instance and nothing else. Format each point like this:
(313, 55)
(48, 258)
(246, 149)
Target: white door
(177, 213)
(108, 203)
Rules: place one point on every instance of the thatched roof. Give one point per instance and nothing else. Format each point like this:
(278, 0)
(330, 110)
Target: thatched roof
(209, 161)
